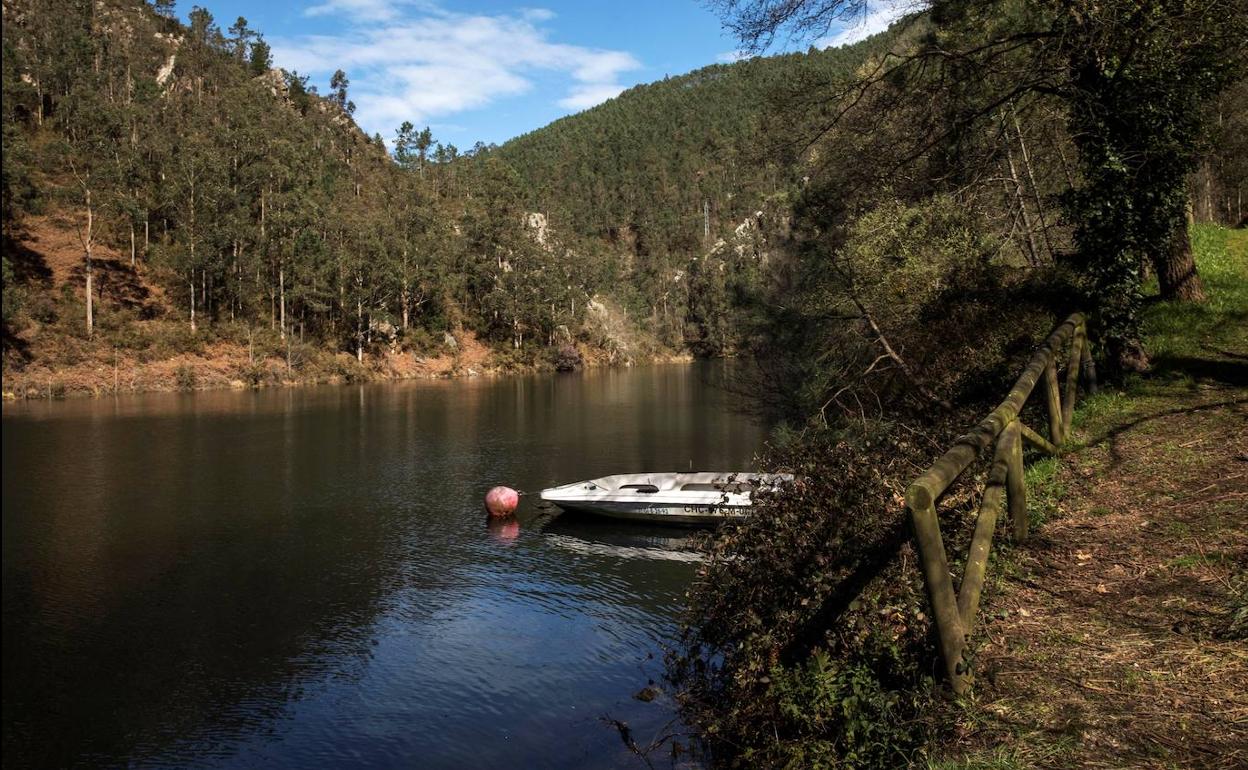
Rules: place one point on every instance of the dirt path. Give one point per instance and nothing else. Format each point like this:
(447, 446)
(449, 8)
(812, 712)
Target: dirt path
(1111, 639)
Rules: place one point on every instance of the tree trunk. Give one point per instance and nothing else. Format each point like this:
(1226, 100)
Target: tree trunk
(87, 242)
(1033, 256)
(238, 298)
(405, 299)
(90, 313)
(1176, 268)
(1035, 189)
(281, 279)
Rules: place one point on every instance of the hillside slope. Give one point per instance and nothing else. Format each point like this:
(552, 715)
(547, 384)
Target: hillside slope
(173, 157)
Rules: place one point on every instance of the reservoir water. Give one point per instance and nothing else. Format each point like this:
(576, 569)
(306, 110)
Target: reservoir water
(305, 578)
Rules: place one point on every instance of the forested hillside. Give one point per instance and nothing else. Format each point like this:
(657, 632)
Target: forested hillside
(187, 181)
(666, 169)
(168, 193)
(166, 190)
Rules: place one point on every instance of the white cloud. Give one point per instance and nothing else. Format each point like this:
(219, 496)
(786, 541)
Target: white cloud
(364, 10)
(419, 62)
(537, 14)
(585, 96)
(599, 66)
(877, 16)
(728, 57)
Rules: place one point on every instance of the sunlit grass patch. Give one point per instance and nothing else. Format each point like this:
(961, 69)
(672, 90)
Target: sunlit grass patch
(1095, 410)
(1182, 330)
(1045, 490)
(997, 759)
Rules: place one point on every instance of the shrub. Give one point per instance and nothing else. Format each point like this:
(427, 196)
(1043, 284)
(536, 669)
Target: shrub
(510, 359)
(419, 340)
(348, 369)
(301, 355)
(253, 374)
(123, 330)
(171, 338)
(806, 642)
(566, 358)
(42, 308)
(185, 377)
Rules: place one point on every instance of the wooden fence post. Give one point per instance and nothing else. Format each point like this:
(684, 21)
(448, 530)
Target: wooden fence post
(1053, 392)
(1072, 379)
(954, 612)
(939, 587)
(981, 541)
(1089, 364)
(1016, 487)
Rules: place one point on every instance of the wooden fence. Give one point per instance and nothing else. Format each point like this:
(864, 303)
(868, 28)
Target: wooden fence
(954, 614)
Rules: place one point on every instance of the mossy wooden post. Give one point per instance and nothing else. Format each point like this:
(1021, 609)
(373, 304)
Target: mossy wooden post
(954, 613)
(1053, 399)
(1038, 441)
(939, 586)
(1016, 486)
(1072, 379)
(1089, 364)
(985, 525)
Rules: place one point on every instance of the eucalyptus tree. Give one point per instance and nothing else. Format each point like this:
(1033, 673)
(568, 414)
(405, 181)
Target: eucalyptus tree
(241, 39)
(338, 85)
(94, 127)
(200, 185)
(260, 59)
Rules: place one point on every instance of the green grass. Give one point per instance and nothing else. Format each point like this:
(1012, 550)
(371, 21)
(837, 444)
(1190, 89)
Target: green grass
(1190, 560)
(1027, 752)
(1185, 330)
(1189, 343)
(1045, 491)
(999, 759)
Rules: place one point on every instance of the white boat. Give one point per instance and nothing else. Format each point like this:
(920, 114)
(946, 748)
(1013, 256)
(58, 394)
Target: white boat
(676, 498)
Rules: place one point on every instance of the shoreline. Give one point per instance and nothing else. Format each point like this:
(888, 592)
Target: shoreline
(192, 374)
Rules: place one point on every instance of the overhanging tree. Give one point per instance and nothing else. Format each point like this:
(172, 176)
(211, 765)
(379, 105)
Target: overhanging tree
(1134, 77)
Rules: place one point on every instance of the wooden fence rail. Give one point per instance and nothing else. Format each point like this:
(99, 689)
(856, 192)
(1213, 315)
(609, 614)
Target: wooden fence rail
(954, 613)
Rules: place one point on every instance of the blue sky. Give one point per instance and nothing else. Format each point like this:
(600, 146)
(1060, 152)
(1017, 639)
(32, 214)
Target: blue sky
(489, 70)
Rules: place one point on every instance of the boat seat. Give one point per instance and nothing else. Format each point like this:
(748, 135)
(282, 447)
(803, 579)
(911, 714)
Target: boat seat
(648, 488)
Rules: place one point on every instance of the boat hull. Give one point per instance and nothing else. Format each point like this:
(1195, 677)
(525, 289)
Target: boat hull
(690, 499)
(659, 513)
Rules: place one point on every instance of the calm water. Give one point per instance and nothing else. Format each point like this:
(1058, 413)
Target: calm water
(302, 578)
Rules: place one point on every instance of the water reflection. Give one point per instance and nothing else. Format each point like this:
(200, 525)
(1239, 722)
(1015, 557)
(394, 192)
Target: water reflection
(302, 577)
(504, 529)
(622, 541)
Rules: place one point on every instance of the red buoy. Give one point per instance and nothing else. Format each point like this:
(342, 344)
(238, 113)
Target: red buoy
(502, 501)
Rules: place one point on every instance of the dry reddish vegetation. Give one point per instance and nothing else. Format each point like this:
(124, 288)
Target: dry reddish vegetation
(142, 342)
